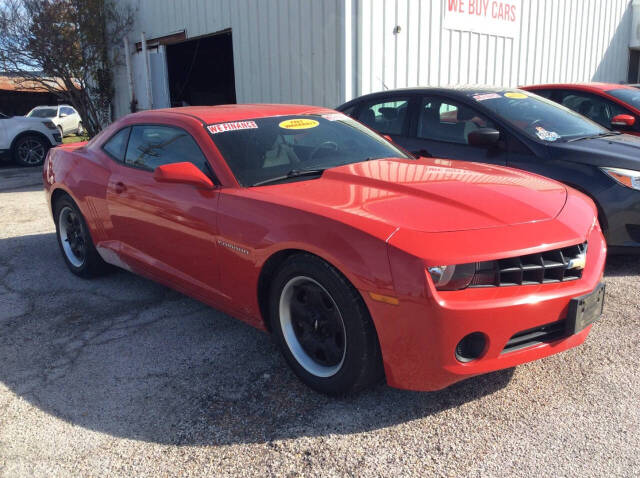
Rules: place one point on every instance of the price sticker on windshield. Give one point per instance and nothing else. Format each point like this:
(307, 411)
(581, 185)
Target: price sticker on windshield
(300, 123)
(515, 95)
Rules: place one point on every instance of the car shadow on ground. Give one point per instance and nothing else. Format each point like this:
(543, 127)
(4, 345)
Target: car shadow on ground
(622, 265)
(125, 356)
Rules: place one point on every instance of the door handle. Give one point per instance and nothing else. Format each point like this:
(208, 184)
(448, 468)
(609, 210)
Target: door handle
(119, 187)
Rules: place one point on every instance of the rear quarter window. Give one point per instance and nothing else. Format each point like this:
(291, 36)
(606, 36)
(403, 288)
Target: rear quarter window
(116, 146)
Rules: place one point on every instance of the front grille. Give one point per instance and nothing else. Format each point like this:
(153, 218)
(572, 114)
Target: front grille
(543, 334)
(557, 265)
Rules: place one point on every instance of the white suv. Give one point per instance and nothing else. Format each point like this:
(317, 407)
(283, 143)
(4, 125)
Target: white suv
(65, 117)
(27, 140)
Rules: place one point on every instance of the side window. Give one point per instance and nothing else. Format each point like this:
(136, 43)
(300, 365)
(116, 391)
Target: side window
(444, 120)
(66, 110)
(386, 117)
(151, 146)
(117, 144)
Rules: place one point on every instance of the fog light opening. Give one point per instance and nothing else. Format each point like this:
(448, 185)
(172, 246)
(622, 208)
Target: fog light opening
(471, 347)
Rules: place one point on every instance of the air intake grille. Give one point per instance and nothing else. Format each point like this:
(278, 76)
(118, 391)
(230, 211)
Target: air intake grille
(537, 335)
(558, 265)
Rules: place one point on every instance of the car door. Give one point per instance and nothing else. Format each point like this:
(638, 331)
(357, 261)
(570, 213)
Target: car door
(67, 119)
(4, 134)
(441, 130)
(167, 230)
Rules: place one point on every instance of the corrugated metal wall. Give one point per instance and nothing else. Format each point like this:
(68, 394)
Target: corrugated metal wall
(324, 52)
(285, 51)
(559, 41)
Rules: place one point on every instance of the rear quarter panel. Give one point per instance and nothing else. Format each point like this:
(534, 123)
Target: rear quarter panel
(84, 177)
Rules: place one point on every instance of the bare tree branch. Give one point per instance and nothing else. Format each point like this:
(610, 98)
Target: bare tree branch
(62, 46)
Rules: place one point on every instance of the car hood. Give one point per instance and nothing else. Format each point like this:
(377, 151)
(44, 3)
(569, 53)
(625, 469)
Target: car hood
(622, 151)
(429, 195)
(27, 121)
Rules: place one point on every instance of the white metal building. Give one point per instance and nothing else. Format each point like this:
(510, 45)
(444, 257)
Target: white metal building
(324, 52)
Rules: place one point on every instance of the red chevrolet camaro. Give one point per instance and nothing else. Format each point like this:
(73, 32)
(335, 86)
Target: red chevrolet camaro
(362, 261)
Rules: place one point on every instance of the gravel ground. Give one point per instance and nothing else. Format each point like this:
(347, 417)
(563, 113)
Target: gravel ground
(122, 377)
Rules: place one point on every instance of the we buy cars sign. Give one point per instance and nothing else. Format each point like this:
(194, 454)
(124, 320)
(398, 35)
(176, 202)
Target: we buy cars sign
(493, 17)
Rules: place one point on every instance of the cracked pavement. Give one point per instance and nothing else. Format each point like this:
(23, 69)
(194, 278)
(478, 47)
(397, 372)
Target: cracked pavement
(119, 376)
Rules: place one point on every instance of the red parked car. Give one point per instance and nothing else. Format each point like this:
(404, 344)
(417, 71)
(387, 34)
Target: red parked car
(611, 105)
(362, 261)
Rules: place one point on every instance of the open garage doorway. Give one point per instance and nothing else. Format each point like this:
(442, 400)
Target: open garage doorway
(201, 71)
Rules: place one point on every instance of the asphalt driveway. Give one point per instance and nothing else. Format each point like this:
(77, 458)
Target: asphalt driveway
(122, 377)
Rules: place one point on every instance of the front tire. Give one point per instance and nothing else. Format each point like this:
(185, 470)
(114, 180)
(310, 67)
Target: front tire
(30, 150)
(323, 327)
(75, 241)
(80, 131)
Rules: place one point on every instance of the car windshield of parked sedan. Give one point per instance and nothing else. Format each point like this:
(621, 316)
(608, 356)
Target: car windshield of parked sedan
(538, 117)
(281, 148)
(629, 96)
(43, 113)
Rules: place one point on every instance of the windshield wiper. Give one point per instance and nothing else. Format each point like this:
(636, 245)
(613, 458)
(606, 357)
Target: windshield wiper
(599, 135)
(294, 173)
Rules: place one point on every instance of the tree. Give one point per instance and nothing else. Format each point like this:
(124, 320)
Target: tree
(68, 47)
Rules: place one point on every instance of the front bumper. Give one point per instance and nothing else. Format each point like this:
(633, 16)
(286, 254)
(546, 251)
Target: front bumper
(621, 208)
(418, 337)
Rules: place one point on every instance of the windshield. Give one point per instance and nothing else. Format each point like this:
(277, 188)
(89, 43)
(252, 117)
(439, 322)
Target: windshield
(538, 117)
(266, 148)
(43, 113)
(629, 96)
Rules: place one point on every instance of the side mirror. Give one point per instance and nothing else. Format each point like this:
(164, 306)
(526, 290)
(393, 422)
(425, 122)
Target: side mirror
(184, 173)
(483, 137)
(63, 115)
(622, 121)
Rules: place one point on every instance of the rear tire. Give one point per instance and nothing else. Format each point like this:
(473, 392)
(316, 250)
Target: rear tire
(323, 327)
(30, 150)
(75, 241)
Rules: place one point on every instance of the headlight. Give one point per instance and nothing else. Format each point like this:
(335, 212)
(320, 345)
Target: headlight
(49, 124)
(626, 177)
(452, 277)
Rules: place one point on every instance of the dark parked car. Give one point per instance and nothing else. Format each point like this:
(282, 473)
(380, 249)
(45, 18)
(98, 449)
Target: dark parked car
(518, 129)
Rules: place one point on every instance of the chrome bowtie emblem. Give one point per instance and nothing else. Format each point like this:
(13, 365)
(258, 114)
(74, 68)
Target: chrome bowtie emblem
(577, 262)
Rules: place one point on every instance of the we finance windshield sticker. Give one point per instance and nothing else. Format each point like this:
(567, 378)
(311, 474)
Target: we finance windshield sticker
(235, 126)
(486, 96)
(334, 117)
(300, 123)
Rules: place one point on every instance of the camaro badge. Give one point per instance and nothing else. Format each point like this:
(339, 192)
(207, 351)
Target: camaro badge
(577, 262)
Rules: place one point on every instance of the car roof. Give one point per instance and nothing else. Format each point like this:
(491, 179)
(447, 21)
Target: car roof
(594, 86)
(237, 112)
(453, 91)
